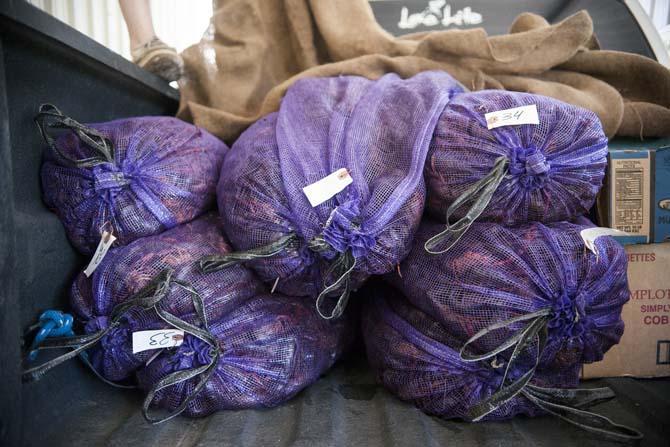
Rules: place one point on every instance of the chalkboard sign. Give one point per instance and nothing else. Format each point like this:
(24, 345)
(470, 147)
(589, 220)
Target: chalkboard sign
(615, 26)
(410, 16)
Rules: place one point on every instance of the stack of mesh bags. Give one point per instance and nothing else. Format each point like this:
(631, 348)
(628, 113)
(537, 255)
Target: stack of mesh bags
(150, 182)
(374, 134)
(241, 346)
(492, 316)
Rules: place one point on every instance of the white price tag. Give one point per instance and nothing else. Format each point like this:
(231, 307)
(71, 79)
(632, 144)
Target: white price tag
(157, 339)
(512, 117)
(106, 241)
(590, 235)
(327, 187)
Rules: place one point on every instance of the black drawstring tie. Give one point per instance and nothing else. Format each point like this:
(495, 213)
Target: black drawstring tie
(566, 404)
(219, 262)
(480, 193)
(50, 117)
(342, 266)
(149, 297)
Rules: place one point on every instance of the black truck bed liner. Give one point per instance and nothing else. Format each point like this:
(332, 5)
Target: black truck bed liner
(43, 60)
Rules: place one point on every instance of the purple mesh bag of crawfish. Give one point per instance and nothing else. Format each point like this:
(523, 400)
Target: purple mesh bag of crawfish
(555, 168)
(272, 347)
(126, 270)
(417, 359)
(379, 131)
(164, 172)
(497, 273)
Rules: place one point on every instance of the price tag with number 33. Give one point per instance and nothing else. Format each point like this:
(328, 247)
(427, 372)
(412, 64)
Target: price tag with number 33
(157, 339)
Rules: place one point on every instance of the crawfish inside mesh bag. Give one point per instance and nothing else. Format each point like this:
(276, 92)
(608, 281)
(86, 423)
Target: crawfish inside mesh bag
(240, 348)
(548, 167)
(258, 355)
(534, 277)
(372, 136)
(166, 261)
(421, 361)
(417, 360)
(132, 177)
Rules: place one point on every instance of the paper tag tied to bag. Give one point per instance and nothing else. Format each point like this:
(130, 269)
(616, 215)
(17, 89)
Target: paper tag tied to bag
(590, 235)
(106, 241)
(512, 117)
(157, 339)
(327, 187)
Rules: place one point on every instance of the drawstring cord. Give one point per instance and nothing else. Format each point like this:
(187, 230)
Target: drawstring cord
(219, 262)
(50, 117)
(343, 265)
(566, 404)
(480, 194)
(149, 297)
(54, 323)
(204, 372)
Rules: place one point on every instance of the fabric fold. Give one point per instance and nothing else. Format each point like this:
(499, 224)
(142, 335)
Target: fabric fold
(253, 53)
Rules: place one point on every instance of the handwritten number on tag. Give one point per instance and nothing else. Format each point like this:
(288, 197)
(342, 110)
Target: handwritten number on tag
(512, 117)
(160, 339)
(509, 115)
(156, 339)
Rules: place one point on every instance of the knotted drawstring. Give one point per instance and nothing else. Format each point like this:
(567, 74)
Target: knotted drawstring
(149, 297)
(480, 194)
(527, 164)
(566, 404)
(342, 266)
(50, 117)
(530, 166)
(341, 242)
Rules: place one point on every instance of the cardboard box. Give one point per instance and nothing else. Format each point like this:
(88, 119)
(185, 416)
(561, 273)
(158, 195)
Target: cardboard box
(636, 195)
(644, 350)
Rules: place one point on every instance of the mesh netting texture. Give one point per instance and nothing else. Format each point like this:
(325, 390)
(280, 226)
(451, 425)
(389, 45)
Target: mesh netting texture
(379, 131)
(271, 347)
(159, 172)
(417, 359)
(125, 271)
(553, 171)
(497, 273)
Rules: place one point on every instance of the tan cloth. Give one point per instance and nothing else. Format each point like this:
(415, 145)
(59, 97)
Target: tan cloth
(257, 48)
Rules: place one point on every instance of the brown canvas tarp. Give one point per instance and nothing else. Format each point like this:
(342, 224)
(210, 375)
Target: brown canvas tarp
(255, 49)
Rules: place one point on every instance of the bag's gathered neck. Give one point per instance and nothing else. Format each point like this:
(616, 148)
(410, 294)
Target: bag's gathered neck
(341, 242)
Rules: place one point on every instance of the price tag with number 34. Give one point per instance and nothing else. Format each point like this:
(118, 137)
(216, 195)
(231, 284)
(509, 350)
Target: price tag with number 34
(512, 117)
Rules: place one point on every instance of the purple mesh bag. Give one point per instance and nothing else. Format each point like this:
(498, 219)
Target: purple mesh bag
(269, 349)
(167, 264)
(134, 177)
(513, 174)
(525, 280)
(418, 359)
(379, 131)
